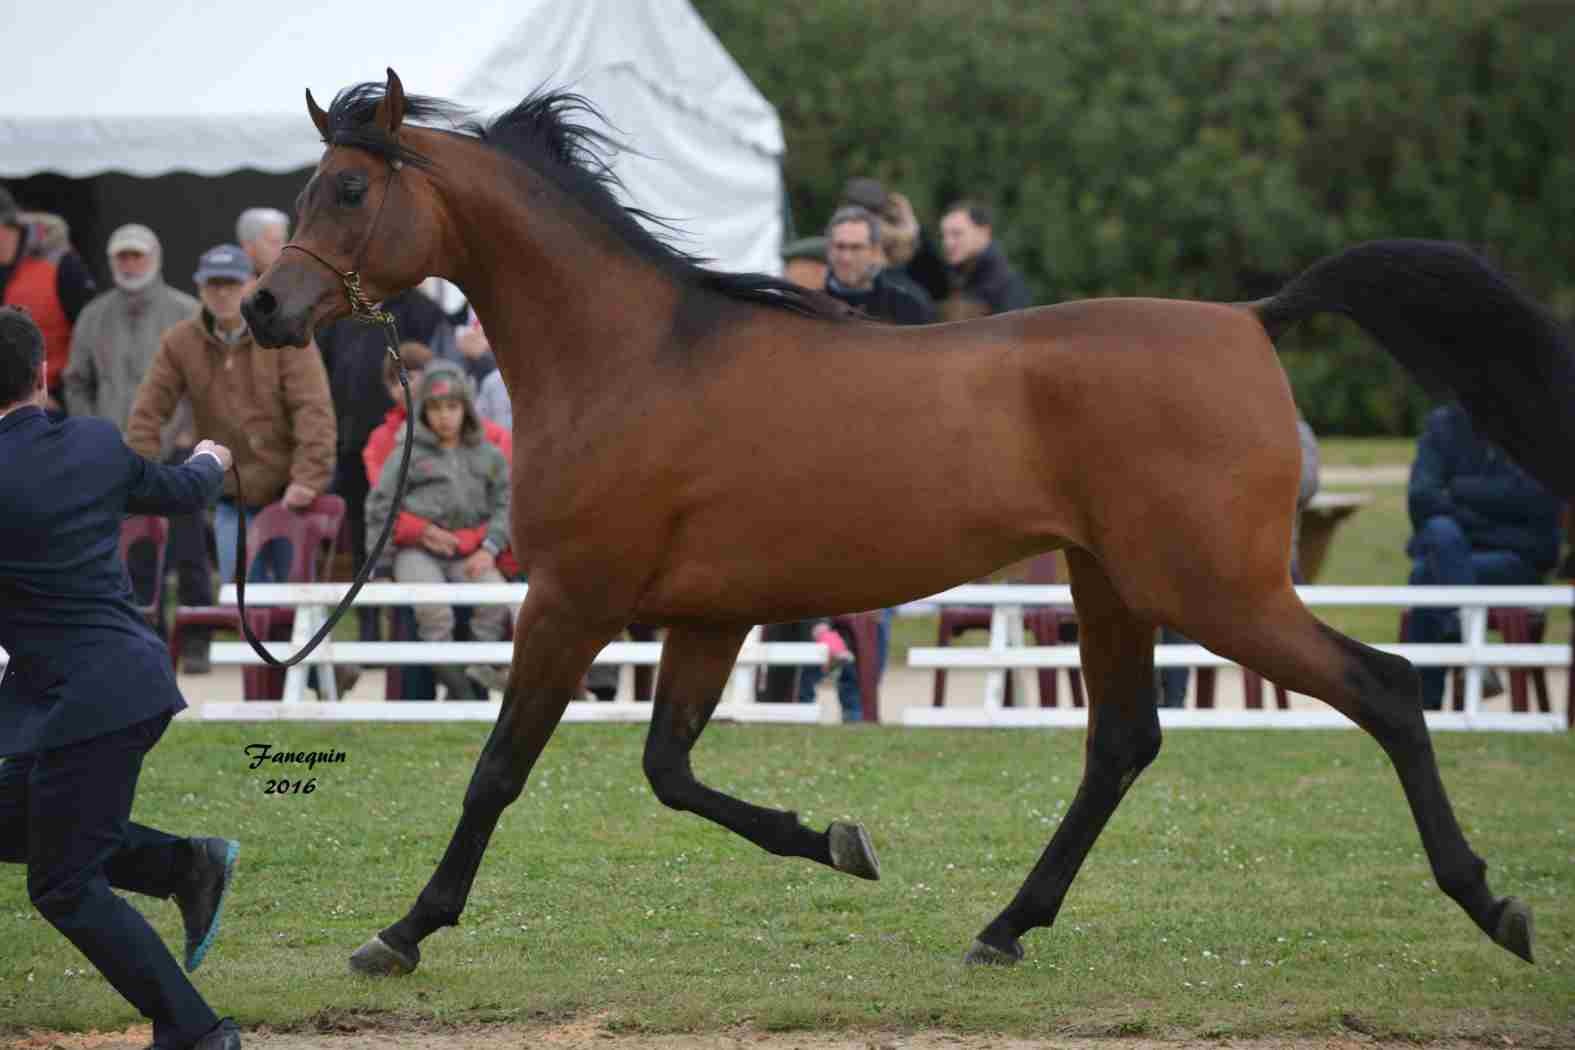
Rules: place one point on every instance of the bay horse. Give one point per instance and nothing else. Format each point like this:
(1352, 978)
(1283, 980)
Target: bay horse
(671, 466)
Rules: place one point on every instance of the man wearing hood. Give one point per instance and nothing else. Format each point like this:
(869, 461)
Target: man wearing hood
(112, 346)
(41, 273)
(455, 518)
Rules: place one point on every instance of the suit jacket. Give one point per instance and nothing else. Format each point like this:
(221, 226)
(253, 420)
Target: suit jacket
(83, 661)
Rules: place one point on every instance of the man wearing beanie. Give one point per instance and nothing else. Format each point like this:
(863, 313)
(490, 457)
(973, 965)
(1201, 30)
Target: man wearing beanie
(40, 273)
(112, 347)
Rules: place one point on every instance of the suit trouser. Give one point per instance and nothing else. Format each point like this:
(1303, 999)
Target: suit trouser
(66, 813)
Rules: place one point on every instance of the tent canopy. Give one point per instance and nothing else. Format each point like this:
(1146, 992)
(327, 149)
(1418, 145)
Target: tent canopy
(152, 89)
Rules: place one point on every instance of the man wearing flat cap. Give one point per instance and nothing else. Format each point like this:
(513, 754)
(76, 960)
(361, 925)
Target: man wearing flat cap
(118, 333)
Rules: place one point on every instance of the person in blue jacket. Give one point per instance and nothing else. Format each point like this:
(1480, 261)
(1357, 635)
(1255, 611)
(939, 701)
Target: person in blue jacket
(1476, 518)
(88, 691)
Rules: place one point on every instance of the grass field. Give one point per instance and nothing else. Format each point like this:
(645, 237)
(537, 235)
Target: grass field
(1252, 884)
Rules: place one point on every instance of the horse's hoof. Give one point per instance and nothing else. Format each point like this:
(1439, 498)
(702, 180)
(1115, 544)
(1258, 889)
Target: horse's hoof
(982, 954)
(376, 959)
(1515, 929)
(851, 850)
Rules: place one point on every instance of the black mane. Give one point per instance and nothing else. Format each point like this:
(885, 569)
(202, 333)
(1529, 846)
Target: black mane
(546, 132)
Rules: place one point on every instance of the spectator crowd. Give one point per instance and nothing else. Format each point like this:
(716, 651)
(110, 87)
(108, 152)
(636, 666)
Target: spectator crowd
(164, 365)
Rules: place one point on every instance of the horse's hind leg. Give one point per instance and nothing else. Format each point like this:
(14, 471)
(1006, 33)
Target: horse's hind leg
(550, 655)
(696, 661)
(1279, 638)
(1117, 650)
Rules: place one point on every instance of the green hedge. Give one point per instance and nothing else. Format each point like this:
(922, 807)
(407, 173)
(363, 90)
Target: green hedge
(1169, 149)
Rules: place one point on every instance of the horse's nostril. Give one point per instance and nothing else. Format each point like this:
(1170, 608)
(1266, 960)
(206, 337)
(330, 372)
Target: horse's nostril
(264, 304)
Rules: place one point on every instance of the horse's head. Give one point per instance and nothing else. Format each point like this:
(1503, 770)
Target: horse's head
(365, 222)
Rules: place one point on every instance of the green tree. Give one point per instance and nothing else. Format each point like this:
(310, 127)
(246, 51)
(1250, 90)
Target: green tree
(1200, 150)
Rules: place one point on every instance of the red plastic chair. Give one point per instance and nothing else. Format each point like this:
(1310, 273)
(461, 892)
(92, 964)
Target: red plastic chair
(1518, 625)
(152, 529)
(311, 534)
(1048, 625)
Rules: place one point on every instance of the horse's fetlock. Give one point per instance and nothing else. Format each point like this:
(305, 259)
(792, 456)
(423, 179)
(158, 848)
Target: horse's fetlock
(1461, 879)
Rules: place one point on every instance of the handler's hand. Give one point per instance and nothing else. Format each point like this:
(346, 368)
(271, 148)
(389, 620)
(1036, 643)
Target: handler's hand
(479, 564)
(441, 542)
(223, 454)
(298, 496)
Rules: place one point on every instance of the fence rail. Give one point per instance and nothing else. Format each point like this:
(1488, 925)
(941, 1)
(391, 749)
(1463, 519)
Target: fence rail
(1005, 654)
(314, 601)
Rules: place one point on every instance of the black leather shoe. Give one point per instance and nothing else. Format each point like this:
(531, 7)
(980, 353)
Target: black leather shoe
(225, 1035)
(201, 899)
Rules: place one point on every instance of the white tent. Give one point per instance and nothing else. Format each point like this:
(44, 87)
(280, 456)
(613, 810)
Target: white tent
(149, 89)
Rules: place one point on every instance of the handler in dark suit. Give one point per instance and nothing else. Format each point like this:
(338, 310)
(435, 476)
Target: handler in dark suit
(88, 692)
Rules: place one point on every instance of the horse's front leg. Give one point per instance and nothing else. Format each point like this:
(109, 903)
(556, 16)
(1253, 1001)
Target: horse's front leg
(696, 662)
(551, 653)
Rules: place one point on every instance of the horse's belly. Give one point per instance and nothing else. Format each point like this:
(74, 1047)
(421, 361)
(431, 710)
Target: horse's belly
(775, 575)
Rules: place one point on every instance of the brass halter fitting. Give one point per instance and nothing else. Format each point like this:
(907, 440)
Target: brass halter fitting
(362, 308)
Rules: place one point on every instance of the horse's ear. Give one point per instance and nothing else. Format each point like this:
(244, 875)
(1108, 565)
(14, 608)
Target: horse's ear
(391, 111)
(318, 116)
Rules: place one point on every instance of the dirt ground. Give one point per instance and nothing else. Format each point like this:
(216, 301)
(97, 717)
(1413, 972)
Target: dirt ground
(588, 1034)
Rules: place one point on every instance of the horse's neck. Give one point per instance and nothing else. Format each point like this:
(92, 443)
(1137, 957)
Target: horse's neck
(558, 306)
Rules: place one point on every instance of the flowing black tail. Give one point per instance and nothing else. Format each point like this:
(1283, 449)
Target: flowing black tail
(1459, 326)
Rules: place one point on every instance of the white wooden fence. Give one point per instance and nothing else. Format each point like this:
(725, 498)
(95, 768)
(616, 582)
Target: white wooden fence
(313, 602)
(1005, 654)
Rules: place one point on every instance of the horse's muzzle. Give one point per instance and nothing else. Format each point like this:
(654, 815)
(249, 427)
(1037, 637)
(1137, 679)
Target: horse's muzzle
(269, 323)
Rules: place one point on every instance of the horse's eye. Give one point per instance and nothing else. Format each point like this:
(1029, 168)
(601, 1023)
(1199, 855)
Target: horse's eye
(351, 191)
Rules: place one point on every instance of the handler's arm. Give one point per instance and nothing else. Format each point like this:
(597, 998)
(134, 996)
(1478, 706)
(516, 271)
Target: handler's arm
(158, 489)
